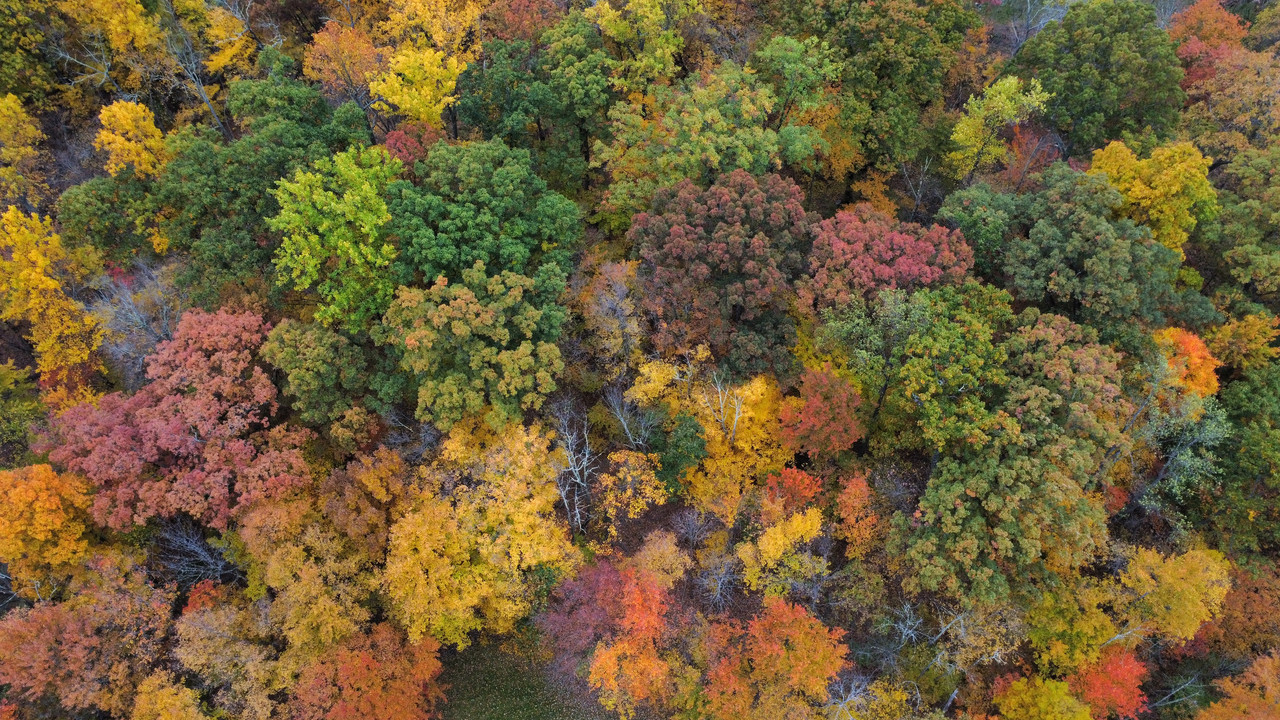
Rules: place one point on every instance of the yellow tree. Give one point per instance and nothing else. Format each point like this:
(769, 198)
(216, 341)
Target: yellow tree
(33, 265)
(770, 561)
(649, 33)
(20, 177)
(630, 488)
(1173, 596)
(484, 532)
(130, 138)
(977, 134)
(449, 26)
(43, 522)
(418, 84)
(161, 697)
(1168, 192)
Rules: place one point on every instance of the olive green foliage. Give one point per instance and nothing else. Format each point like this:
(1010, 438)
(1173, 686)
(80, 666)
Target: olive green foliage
(1110, 70)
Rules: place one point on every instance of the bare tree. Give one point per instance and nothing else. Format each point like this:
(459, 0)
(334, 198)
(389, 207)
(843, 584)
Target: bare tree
(725, 404)
(719, 581)
(409, 437)
(692, 527)
(637, 424)
(578, 463)
(183, 556)
(139, 313)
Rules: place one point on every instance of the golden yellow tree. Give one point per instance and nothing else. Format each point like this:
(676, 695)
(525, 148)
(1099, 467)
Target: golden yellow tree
(483, 532)
(449, 26)
(418, 84)
(33, 264)
(20, 176)
(130, 138)
(1168, 192)
(43, 522)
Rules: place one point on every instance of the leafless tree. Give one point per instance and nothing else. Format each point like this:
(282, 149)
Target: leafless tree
(725, 403)
(692, 527)
(138, 313)
(182, 555)
(578, 462)
(637, 424)
(411, 438)
(719, 581)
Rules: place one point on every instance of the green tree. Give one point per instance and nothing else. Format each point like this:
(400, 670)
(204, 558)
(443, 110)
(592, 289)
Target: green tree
(1110, 70)
(332, 218)
(485, 345)
(481, 202)
(324, 372)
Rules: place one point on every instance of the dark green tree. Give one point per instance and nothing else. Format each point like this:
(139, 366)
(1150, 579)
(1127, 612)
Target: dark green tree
(1111, 70)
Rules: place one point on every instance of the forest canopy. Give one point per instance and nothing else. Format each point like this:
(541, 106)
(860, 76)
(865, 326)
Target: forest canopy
(638, 359)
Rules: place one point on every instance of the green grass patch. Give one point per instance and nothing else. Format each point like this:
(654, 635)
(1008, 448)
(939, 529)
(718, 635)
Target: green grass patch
(488, 684)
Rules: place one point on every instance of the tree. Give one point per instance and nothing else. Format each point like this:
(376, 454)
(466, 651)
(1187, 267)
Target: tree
(824, 419)
(1254, 693)
(485, 345)
(651, 35)
(332, 219)
(977, 134)
(20, 175)
(345, 62)
(629, 489)
(1117, 275)
(707, 127)
(32, 287)
(1040, 699)
(858, 523)
(1205, 31)
(1250, 230)
(767, 562)
(715, 265)
(1168, 192)
(324, 373)
(43, 527)
(862, 251)
(1175, 595)
(94, 651)
(798, 71)
(1112, 687)
(371, 675)
(787, 492)
(161, 697)
(897, 56)
(778, 666)
(196, 439)
(366, 497)
(214, 197)
(448, 26)
(130, 138)
(629, 668)
(1241, 512)
(1110, 71)
(418, 84)
(482, 202)
(475, 558)
(1230, 108)
(1247, 342)
(1192, 366)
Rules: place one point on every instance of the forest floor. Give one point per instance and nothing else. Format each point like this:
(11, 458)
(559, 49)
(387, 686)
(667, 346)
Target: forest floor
(487, 683)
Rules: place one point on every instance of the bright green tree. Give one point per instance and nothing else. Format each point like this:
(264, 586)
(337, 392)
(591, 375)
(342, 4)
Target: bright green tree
(332, 218)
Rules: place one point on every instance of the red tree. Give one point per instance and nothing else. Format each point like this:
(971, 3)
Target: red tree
(196, 439)
(779, 666)
(92, 651)
(716, 265)
(1113, 685)
(793, 489)
(1205, 32)
(371, 676)
(824, 420)
(862, 251)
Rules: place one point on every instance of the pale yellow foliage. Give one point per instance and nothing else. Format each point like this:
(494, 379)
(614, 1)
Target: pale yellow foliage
(448, 25)
(461, 559)
(663, 558)
(130, 137)
(1168, 192)
(1174, 596)
(160, 697)
(631, 488)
